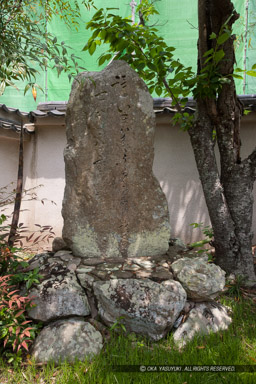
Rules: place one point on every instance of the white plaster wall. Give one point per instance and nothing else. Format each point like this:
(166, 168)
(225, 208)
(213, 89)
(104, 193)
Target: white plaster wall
(174, 166)
(44, 169)
(8, 168)
(8, 160)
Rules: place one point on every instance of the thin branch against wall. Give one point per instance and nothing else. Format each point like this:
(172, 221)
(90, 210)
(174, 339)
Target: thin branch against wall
(17, 202)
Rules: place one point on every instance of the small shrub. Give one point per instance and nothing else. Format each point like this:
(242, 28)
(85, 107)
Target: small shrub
(118, 326)
(199, 245)
(15, 333)
(234, 287)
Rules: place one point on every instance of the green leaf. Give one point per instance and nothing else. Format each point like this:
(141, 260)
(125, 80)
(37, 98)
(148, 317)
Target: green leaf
(103, 58)
(213, 36)
(85, 48)
(92, 48)
(95, 33)
(219, 56)
(223, 38)
(180, 76)
(158, 90)
(254, 66)
(251, 73)
(237, 76)
(152, 67)
(140, 66)
(207, 53)
(151, 89)
(26, 88)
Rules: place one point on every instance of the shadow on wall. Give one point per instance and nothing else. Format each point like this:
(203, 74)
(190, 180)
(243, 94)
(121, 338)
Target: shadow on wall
(175, 168)
(186, 206)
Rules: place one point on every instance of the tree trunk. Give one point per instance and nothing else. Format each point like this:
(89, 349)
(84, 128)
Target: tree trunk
(228, 192)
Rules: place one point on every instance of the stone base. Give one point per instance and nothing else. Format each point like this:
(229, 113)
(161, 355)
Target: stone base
(74, 292)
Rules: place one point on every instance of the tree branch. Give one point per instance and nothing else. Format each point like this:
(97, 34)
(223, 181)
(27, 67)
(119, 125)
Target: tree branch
(177, 104)
(17, 203)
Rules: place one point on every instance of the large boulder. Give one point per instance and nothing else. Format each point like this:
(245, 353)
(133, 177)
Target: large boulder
(57, 297)
(113, 205)
(201, 280)
(202, 319)
(70, 340)
(147, 308)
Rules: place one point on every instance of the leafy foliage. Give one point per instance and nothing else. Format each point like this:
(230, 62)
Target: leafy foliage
(142, 48)
(42, 233)
(26, 45)
(208, 240)
(14, 330)
(15, 333)
(208, 233)
(149, 55)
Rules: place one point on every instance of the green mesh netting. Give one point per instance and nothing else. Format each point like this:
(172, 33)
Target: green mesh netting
(177, 23)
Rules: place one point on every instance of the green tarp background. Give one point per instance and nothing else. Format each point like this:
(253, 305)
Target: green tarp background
(177, 23)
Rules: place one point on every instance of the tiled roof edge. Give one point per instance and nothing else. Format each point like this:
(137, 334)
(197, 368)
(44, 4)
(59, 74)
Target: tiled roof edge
(58, 109)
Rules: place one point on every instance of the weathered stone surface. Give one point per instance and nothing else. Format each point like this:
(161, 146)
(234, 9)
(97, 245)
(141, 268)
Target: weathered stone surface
(72, 267)
(160, 276)
(144, 294)
(131, 267)
(143, 274)
(162, 264)
(93, 261)
(85, 280)
(67, 340)
(58, 244)
(40, 259)
(113, 205)
(188, 306)
(57, 297)
(148, 308)
(201, 280)
(122, 275)
(202, 319)
(176, 250)
(147, 264)
(115, 260)
(70, 259)
(103, 275)
(63, 253)
(85, 269)
(48, 270)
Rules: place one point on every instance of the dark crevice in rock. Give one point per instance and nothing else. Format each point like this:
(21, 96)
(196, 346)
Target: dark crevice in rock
(66, 317)
(90, 297)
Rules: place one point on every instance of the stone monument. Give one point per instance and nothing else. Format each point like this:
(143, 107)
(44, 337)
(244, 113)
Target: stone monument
(113, 205)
